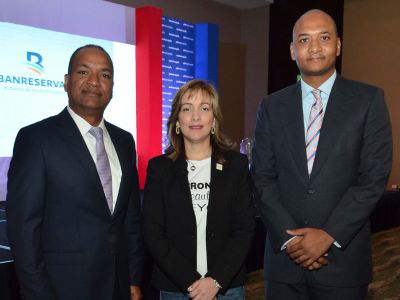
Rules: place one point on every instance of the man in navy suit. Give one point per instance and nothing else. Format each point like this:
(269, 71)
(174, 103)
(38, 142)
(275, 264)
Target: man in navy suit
(68, 240)
(321, 159)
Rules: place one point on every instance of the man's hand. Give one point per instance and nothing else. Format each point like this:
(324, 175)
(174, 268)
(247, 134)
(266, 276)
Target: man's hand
(204, 289)
(319, 263)
(309, 249)
(136, 294)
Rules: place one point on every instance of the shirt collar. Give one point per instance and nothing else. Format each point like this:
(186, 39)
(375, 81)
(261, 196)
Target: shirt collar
(82, 124)
(325, 88)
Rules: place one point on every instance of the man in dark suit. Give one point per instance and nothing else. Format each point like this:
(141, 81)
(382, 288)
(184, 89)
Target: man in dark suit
(321, 160)
(73, 205)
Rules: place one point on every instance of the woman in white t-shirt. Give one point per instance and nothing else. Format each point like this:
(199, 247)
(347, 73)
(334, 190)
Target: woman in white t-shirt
(198, 213)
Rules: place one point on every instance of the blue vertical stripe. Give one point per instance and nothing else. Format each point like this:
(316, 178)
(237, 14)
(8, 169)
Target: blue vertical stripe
(206, 50)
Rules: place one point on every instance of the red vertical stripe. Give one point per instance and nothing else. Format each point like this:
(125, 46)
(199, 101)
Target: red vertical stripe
(148, 86)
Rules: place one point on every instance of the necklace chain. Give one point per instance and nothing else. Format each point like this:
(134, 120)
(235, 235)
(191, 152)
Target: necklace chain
(193, 166)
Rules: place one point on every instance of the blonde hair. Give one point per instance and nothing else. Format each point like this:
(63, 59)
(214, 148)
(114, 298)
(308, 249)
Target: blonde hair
(176, 145)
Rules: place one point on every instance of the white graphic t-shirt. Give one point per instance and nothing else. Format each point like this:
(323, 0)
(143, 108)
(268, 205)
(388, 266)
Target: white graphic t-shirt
(199, 176)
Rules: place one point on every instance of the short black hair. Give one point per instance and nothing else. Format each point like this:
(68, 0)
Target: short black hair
(85, 47)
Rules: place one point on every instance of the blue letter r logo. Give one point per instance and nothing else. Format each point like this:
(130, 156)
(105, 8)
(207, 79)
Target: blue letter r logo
(35, 58)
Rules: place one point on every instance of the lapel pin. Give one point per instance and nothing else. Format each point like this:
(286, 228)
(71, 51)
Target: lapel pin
(219, 167)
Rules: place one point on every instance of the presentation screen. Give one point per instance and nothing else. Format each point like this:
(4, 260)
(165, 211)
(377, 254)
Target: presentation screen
(32, 67)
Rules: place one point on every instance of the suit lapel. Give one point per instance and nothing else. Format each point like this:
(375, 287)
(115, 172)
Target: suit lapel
(216, 182)
(293, 127)
(181, 174)
(120, 149)
(334, 120)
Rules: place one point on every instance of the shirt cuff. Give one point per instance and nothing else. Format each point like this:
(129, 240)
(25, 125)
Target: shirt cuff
(287, 242)
(337, 244)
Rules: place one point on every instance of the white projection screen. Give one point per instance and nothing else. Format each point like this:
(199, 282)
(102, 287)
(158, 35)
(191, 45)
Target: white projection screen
(32, 67)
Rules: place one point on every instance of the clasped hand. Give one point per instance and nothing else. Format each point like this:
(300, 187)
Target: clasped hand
(310, 247)
(203, 289)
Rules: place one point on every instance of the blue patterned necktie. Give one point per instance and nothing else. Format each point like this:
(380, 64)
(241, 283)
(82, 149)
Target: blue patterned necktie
(314, 128)
(103, 165)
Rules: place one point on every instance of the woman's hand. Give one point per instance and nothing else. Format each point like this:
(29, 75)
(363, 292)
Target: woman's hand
(203, 289)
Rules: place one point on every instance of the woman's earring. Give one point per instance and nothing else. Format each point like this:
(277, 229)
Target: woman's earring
(213, 130)
(177, 130)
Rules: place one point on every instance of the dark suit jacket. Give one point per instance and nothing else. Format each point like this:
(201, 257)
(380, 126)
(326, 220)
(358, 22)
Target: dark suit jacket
(170, 223)
(65, 242)
(349, 175)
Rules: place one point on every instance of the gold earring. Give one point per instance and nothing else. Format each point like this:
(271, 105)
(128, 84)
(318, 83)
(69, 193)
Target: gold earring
(213, 130)
(177, 130)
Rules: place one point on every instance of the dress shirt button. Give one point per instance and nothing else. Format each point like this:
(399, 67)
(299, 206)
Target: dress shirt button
(310, 191)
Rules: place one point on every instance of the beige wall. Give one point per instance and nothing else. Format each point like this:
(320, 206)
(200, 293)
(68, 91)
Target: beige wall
(246, 32)
(371, 50)
(255, 35)
(232, 76)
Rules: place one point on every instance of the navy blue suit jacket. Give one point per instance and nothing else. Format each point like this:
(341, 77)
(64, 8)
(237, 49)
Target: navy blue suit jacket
(349, 174)
(65, 242)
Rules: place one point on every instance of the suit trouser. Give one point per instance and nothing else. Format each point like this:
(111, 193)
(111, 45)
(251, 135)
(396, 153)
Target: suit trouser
(309, 289)
(236, 293)
(117, 290)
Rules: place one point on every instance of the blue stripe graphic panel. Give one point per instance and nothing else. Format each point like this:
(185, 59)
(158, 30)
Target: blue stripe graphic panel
(178, 63)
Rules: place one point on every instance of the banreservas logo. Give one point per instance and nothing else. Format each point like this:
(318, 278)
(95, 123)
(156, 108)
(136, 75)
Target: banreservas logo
(34, 62)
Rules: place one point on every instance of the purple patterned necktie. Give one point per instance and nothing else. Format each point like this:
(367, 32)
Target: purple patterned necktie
(314, 128)
(103, 165)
